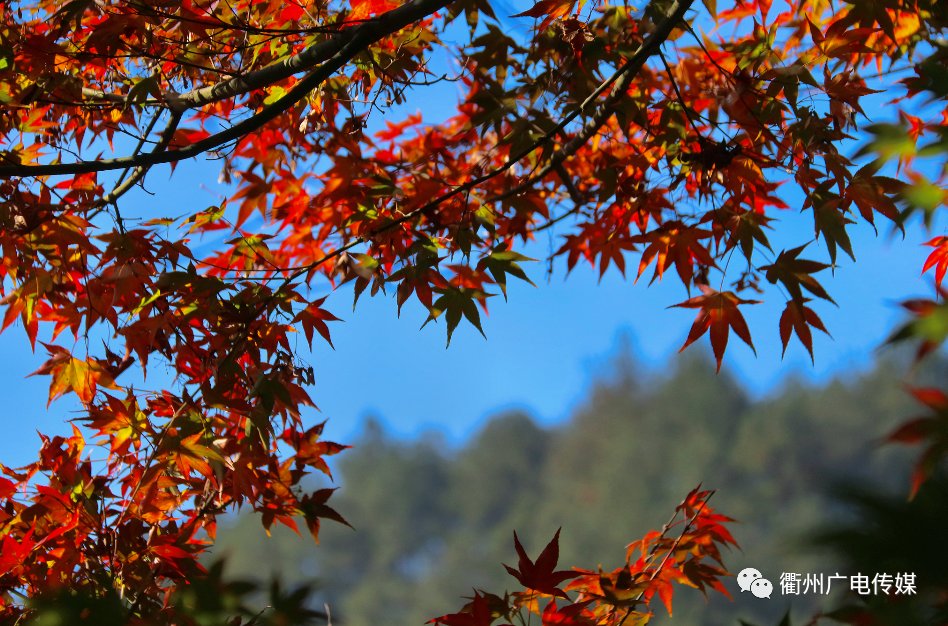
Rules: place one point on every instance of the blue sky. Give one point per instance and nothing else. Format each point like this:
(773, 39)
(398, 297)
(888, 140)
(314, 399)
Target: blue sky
(547, 344)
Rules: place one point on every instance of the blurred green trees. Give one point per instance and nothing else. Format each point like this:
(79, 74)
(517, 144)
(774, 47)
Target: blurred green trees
(430, 523)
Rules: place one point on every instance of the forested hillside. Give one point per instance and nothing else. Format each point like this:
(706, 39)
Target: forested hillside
(430, 524)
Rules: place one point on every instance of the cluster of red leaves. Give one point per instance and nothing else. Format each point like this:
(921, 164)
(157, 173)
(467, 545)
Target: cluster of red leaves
(622, 596)
(591, 128)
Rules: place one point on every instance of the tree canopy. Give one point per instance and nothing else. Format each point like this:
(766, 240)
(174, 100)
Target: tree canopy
(669, 136)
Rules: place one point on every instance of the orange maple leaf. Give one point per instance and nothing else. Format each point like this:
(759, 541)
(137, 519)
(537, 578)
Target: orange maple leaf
(365, 9)
(549, 10)
(72, 374)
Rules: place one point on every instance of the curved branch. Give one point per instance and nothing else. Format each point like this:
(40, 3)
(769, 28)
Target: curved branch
(333, 54)
(621, 79)
(305, 59)
(139, 172)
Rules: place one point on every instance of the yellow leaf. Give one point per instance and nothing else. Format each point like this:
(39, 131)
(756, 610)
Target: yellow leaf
(274, 94)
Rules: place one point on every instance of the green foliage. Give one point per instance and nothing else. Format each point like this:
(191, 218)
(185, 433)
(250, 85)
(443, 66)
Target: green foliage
(887, 533)
(210, 600)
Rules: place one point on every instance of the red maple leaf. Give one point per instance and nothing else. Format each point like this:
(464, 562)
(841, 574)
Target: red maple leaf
(718, 312)
(930, 430)
(540, 575)
(797, 317)
(477, 612)
(569, 615)
(938, 258)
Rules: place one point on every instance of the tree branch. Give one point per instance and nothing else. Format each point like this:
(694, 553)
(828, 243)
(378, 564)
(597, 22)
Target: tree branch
(333, 54)
(139, 172)
(621, 79)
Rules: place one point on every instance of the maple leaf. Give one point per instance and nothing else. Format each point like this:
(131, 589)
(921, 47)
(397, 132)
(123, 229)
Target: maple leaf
(703, 575)
(764, 9)
(929, 323)
(313, 507)
(71, 374)
(932, 428)
(938, 258)
(745, 229)
(717, 313)
(310, 450)
(364, 9)
(456, 303)
(674, 243)
(874, 194)
(830, 222)
(575, 614)
(15, 553)
(395, 130)
(796, 274)
(172, 555)
(619, 588)
(501, 262)
(549, 10)
(540, 575)
(482, 610)
(575, 33)
(7, 488)
(798, 318)
(314, 317)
